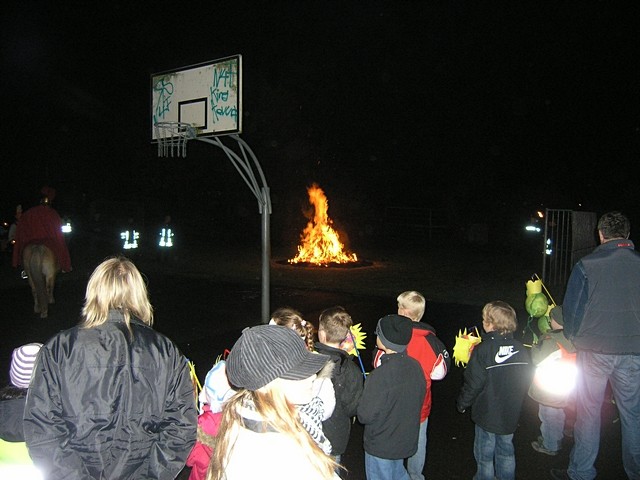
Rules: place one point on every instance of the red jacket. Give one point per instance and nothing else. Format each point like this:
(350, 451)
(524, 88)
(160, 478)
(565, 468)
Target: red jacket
(420, 349)
(200, 456)
(42, 224)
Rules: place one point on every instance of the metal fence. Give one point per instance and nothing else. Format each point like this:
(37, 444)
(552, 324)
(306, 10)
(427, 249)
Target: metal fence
(568, 236)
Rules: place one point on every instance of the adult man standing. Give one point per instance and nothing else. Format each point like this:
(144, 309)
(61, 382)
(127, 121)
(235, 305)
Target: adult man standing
(602, 318)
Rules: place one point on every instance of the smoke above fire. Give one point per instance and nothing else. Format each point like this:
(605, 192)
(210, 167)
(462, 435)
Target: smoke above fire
(319, 242)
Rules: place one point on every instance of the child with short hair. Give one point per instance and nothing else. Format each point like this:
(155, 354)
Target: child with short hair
(554, 356)
(390, 405)
(495, 383)
(434, 359)
(333, 328)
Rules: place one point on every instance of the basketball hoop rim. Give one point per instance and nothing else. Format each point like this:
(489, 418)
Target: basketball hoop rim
(175, 129)
(172, 138)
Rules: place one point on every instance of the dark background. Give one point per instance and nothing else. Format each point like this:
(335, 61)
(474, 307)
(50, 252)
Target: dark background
(487, 110)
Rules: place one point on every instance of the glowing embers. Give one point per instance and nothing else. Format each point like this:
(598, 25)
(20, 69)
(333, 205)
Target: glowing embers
(321, 244)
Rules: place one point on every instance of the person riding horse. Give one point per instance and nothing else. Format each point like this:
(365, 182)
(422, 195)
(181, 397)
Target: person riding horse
(42, 225)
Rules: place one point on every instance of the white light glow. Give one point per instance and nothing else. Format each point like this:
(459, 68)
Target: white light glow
(23, 472)
(130, 239)
(556, 374)
(166, 236)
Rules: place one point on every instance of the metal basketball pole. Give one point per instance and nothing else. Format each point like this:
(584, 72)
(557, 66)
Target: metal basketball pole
(243, 164)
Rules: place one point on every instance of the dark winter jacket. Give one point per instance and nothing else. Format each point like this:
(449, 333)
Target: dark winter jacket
(390, 407)
(11, 411)
(601, 306)
(348, 383)
(104, 405)
(496, 381)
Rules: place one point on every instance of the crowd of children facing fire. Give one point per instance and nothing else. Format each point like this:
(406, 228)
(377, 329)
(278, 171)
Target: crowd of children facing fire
(280, 405)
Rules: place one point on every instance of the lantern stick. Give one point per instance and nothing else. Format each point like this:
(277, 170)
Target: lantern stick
(545, 289)
(364, 373)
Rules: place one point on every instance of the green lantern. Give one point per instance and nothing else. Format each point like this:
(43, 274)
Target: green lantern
(544, 324)
(536, 304)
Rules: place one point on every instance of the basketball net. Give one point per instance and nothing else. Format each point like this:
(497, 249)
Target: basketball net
(172, 138)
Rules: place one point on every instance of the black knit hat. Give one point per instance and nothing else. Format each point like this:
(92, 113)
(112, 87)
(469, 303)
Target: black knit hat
(267, 352)
(395, 332)
(556, 314)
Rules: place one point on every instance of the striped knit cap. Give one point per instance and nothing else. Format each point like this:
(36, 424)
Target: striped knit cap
(22, 362)
(267, 352)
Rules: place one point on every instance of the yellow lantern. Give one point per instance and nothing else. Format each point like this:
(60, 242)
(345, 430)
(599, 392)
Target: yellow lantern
(465, 343)
(354, 341)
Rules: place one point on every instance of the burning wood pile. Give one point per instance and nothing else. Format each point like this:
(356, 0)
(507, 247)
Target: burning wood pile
(320, 243)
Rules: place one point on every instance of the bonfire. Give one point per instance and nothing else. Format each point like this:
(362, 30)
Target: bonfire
(320, 243)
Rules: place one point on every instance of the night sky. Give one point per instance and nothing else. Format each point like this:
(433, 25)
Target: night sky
(479, 107)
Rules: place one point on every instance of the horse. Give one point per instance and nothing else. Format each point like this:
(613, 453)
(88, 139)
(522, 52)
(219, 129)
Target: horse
(41, 267)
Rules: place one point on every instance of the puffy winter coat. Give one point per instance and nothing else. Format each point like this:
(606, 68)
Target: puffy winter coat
(496, 381)
(105, 404)
(348, 383)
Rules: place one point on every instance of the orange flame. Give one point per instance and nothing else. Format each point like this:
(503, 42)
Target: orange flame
(320, 243)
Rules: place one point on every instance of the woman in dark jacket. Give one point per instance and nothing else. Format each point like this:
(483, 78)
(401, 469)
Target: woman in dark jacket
(111, 397)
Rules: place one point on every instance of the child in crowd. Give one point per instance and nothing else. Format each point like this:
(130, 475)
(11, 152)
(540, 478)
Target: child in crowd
(260, 435)
(434, 359)
(289, 317)
(346, 377)
(13, 449)
(552, 386)
(390, 405)
(495, 382)
(215, 392)
(323, 402)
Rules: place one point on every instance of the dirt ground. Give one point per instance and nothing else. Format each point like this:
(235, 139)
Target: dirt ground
(464, 275)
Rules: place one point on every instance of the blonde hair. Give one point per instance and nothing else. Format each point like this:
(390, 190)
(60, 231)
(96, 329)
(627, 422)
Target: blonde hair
(116, 284)
(335, 322)
(288, 317)
(277, 414)
(501, 316)
(414, 303)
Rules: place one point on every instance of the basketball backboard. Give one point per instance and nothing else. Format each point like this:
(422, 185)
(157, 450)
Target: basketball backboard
(207, 96)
